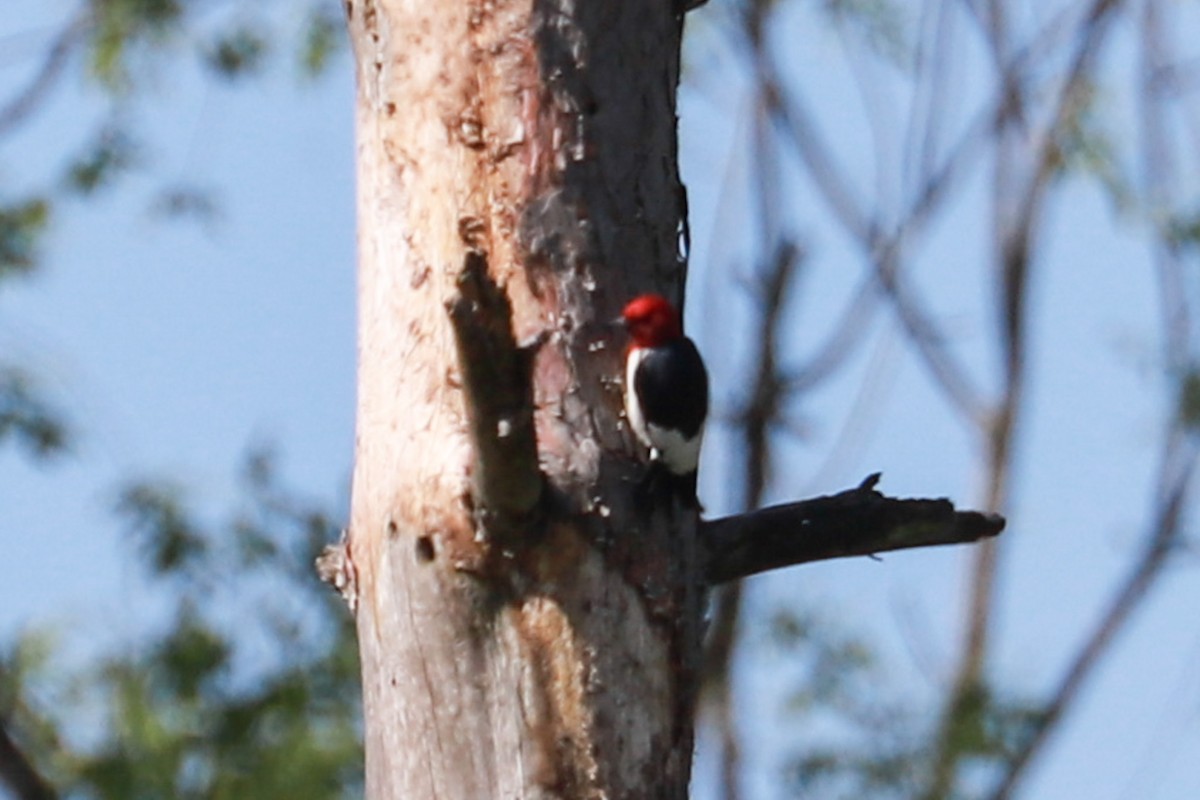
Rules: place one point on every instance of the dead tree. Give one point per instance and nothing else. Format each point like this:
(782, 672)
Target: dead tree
(526, 629)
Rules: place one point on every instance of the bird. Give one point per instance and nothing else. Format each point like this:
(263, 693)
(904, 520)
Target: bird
(666, 390)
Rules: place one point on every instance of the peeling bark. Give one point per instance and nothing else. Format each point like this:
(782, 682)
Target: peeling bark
(533, 142)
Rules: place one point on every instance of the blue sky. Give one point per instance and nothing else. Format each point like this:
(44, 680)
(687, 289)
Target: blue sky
(174, 346)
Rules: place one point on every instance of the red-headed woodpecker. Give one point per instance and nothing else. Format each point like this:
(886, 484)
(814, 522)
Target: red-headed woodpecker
(666, 388)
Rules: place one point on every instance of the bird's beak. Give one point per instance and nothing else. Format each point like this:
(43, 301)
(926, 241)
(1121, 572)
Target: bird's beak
(617, 322)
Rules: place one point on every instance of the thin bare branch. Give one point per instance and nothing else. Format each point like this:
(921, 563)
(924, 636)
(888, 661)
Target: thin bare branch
(948, 372)
(873, 100)
(951, 376)
(793, 119)
(26, 101)
(1179, 454)
(834, 352)
(861, 416)
(930, 91)
(1018, 213)
(763, 407)
(761, 411)
(1129, 597)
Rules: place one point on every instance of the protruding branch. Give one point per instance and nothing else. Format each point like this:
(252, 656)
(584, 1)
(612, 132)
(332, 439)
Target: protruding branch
(498, 394)
(336, 567)
(855, 522)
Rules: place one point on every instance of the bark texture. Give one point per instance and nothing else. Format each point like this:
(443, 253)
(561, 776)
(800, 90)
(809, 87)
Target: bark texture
(524, 150)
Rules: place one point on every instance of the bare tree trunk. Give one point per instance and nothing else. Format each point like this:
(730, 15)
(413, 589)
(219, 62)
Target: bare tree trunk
(523, 635)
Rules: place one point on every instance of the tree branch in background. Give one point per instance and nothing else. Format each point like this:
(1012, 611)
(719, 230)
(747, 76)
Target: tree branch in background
(1031, 132)
(1019, 209)
(55, 61)
(1129, 596)
(846, 335)
(793, 119)
(761, 410)
(797, 124)
(1179, 450)
(18, 774)
(856, 522)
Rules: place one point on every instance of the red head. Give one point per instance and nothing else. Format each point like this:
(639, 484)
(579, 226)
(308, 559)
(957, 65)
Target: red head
(651, 320)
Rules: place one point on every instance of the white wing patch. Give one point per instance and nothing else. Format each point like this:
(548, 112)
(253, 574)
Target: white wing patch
(633, 409)
(679, 454)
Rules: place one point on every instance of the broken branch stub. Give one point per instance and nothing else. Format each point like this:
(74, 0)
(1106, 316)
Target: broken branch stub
(497, 385)
(856, 522)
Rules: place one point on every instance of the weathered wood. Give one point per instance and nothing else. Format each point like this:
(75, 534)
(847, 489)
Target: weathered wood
(856, 522)
(497, 384)
(556, 662)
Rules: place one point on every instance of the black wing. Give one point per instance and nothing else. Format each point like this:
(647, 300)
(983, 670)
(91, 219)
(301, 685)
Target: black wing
(672, 386)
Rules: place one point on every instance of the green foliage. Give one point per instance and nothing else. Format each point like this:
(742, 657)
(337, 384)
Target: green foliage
(1084, 145)
(27, 417)
(249, 690)
(126, 41)
(192, 655)
(250, 687)
(120, 26)
(21, 225)
(858, 740)
(237, 53)
(1183, 231)
(168, 538)
(857, 743)
(1189, 398)
(123, 29)
(324, 37)
(110, 153)
(987, 728)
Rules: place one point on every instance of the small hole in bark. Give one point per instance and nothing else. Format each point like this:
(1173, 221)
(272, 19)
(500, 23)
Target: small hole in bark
(424, 549)
(392, 530)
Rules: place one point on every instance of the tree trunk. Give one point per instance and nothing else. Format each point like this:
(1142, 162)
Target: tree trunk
(524, 632)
